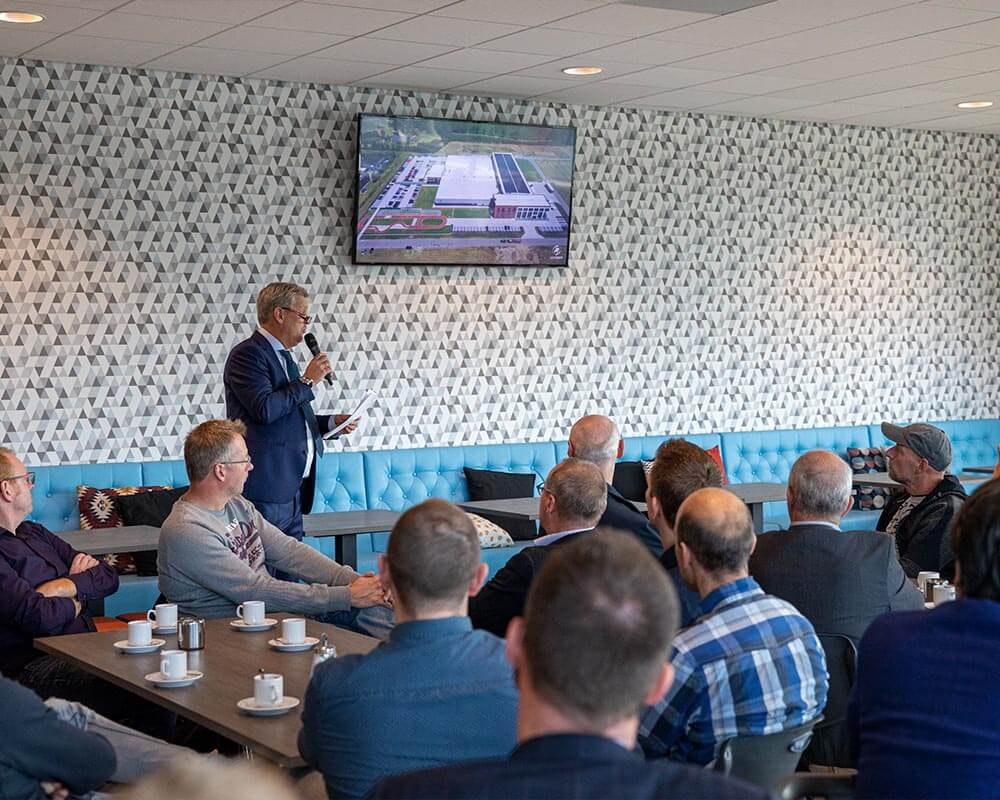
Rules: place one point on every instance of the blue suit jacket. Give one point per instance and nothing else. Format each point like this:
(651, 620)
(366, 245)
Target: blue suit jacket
(566, 766)
(259, 393)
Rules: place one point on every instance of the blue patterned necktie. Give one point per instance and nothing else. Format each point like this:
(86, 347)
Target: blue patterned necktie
(294, 375)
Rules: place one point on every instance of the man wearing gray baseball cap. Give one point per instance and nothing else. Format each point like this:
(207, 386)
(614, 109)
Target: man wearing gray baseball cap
(920, 515)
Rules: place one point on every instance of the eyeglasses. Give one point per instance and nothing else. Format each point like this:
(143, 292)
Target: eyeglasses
(306, 318)
(246, 460)
(543, 488)
(27, 476)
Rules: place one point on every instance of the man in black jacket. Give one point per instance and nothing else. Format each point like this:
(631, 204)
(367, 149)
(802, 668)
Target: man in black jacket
(596, 439)
(571, 502)
(920, 515)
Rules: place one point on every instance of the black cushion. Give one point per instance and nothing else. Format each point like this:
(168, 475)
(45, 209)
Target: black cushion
(630, 480)
(485, 484)
(148, 508)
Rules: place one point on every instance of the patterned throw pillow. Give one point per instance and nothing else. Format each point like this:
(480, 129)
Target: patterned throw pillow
(862, 460)
(715, 452)
(490, 534)
(99, 510)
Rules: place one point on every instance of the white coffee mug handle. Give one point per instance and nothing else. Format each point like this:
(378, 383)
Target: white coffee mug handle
(274, 695)
(151, 615)
(163, 666)
(239, 611)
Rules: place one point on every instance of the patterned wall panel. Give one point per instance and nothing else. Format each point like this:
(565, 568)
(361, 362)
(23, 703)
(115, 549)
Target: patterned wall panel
(725, 273)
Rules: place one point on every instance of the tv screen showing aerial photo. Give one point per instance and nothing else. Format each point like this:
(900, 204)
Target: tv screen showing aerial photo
(435, 191)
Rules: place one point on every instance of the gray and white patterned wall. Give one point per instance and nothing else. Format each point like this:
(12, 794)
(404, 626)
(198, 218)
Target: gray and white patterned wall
(725, 273)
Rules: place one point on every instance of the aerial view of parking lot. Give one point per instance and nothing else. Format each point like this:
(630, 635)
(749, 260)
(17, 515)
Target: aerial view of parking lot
(439, 191)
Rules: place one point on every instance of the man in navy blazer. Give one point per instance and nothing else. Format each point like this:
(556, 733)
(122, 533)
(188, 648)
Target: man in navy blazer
(592, 648)
(268, 393)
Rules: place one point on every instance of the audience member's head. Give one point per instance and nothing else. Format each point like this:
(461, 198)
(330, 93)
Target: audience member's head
(573, 496)
(819, 487)
(15, 489)
(432, 563)
(596, 439)
(679, 469)
(715, 538)
(920, 456)
(216, 457)
(975, 540)
(593, 647)
(197, 778)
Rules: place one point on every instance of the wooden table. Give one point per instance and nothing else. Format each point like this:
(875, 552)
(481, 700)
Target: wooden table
(346, 525)
(882, 480)
(230, 660)
(526, 508)
(130, 539)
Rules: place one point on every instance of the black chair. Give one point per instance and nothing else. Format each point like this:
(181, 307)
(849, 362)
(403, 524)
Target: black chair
(831, 744)
(764, 760)
(802, 785)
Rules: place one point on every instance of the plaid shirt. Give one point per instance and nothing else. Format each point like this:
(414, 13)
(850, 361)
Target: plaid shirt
(751, 664)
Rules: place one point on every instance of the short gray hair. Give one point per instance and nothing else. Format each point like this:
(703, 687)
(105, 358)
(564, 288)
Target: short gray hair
(7, 457)
(579, 490)
(208, 444)
(277, 295)
(820, 483)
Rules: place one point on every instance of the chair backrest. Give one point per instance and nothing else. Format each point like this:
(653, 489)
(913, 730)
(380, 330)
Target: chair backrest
(830, 745)
(764, 760)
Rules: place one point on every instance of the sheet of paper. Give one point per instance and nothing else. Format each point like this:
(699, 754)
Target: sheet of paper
(367, 401)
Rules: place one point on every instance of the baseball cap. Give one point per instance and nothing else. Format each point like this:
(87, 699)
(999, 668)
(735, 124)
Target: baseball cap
(925, 440)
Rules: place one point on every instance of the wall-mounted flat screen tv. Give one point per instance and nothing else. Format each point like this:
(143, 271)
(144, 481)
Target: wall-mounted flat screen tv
(442, 191)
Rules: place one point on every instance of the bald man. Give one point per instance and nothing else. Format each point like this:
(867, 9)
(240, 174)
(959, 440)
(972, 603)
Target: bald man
(595, 438)
(750, 662)
(840, 580)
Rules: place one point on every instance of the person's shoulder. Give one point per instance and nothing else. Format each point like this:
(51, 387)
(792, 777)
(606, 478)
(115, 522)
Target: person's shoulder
(685, 780)
(35, 529)
(896, 628)
(473, 779)
(339, 676)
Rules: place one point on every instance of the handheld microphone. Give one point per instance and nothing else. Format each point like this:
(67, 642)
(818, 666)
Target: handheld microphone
(313, 346)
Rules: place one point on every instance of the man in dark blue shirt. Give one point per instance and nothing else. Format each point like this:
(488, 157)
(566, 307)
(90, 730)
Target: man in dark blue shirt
(592, 647)
(438, 691)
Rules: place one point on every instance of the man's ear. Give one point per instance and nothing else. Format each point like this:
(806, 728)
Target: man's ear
(653, 508)
(570, 450)
(482, 572)
(621, 448)
(515, 642)
(664, 678)
(384, 575)
(848, 505)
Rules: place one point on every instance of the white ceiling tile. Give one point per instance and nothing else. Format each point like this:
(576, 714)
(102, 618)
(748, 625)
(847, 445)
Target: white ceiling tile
(520, 12)
(516, 85)
(687, 98)
(99, 5)
(986, 82)
(892, 117)
(553, 69)
(423, 78)
(58, 19)
(982, 33)
(139, 28)
(741, 59)
(310, 69)
(985, 60)
(670, 77)
(756, 84)
(820, 12)
(914, 20)
(268, 40)
(13, 43)
(209, 61)
(231, 11)
(885, 80)
(442, 30)
(479, 60)
(324, 18)
(731, 30)
(828, 40)
(649, 51)
(961, 122)
(975, 5)
(552, 42)
(406, 6)
(623, 20)
(384, 51)
(827, 112)
(903, 98)
(77, 49)
(752, 106)
(598, 94)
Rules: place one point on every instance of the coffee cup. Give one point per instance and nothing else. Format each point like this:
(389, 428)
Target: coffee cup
(268, 689)
(293, 630)
(251, 612)
(164, 615)
(943, 592)
(140, 632)
(174, 663)
(922, 578)
(929, 588)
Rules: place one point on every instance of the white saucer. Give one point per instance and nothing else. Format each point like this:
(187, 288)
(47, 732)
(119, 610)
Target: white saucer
(928, 605)
(249, 706)
(162, 681)
(240, 625)
(165, 631)
(136, 649)
(285, 647)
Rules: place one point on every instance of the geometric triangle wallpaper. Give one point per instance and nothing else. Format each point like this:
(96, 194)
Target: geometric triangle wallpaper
(726, 273)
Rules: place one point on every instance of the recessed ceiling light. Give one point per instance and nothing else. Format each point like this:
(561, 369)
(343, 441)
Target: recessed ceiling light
(976, 104)
(583, 70)
(20, 17)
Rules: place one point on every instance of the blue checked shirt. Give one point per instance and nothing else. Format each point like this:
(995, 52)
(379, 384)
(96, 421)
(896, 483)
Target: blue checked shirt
(751, 664)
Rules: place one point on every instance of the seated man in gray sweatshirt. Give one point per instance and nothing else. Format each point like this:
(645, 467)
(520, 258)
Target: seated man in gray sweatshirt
(215, 548)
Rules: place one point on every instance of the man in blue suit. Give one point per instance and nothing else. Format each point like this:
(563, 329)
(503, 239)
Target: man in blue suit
(592, 649)
(268, 393)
